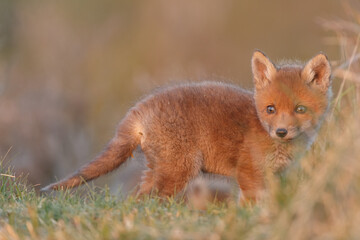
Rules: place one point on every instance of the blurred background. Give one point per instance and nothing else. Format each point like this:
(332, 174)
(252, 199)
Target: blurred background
(69, 70)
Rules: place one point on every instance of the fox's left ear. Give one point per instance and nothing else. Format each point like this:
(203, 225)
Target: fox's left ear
(317, 72)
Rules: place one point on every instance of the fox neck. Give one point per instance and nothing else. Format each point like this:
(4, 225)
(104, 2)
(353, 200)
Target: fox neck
(282, 154)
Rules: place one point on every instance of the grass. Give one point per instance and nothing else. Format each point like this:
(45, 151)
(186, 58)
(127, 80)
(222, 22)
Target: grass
(317, 198)
(99, 215)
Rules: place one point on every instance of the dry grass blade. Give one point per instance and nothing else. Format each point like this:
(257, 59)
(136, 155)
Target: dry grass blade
(345, 75)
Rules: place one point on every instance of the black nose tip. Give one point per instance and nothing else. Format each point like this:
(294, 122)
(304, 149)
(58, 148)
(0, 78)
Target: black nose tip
(281, 132)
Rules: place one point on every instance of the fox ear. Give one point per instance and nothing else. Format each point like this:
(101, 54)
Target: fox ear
(262, 68)
(317, 72)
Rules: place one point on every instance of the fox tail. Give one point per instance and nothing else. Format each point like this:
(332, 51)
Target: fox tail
(118, 150)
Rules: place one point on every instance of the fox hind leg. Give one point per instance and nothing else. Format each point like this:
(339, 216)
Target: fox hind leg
(166, 177)
(147, 182)
(172, 175)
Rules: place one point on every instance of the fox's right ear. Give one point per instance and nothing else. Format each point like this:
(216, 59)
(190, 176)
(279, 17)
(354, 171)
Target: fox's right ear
(262, 68)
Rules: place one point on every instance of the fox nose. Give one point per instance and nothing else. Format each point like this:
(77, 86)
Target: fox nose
(281, 132)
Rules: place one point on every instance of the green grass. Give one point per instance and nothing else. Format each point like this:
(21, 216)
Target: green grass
(100, 215)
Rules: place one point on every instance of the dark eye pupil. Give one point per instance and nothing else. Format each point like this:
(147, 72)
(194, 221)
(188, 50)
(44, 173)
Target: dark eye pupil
(300, 109)
(270, 109)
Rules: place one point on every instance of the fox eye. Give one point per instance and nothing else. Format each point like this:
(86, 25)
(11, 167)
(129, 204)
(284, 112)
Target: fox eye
(270, 109)
(300, 109)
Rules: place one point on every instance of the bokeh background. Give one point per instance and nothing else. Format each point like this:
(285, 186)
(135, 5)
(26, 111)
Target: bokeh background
(69, 70)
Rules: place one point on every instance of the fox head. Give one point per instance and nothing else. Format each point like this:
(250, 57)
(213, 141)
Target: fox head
(291, 100)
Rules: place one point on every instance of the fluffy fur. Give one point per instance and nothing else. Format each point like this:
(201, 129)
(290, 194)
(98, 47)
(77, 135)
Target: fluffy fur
(219, 128)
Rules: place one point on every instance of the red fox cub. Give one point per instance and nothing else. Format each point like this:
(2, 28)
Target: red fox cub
(220, 128)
